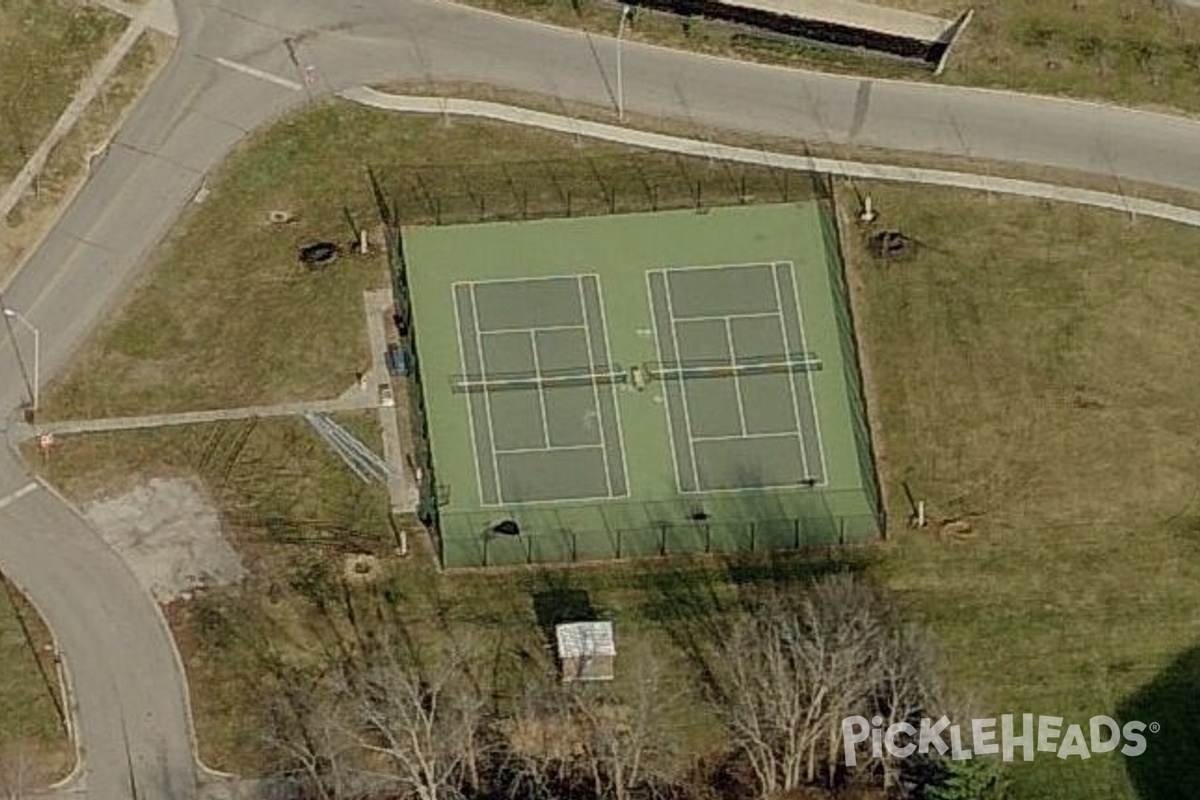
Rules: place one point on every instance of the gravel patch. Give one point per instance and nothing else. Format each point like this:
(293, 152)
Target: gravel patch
(170, 536)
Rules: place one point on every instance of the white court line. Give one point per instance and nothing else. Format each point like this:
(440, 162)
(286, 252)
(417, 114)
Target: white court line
(587, 339)
(702, 267)
(659, 354)
(487, 401)
(538, 328)
(787, 346)
(727, 317)
(746, 436)
(541, 390)
(812, 398)
(463, 365)
(552, 449)
(530, 279)
(258, 73)
(612, 387)
(18, 494)
(737, 380)
(687, 414)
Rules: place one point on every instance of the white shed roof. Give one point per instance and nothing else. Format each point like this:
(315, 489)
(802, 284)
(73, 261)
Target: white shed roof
(585, 639)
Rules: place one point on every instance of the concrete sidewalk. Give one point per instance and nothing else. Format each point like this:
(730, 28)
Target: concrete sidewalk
(1133, 206)
(356, 399)
(158, 14)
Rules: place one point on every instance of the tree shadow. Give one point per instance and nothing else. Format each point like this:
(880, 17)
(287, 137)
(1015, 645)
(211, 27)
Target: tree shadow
(1170, 766)
(557, 600)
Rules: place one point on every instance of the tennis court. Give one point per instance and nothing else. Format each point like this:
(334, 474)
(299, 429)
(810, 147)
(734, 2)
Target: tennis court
(737, 377)
(540, 383)
(640, 384)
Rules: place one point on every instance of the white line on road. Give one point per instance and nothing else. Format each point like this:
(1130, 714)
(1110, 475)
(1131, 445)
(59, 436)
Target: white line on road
(18, 494)
(258, 73)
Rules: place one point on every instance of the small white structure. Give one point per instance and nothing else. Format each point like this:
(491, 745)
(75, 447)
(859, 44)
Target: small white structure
(586, 651)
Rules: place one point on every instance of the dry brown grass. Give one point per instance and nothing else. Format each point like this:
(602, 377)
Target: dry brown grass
(66, 168)
(1027, 384)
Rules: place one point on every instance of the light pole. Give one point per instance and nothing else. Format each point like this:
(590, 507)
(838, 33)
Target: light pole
(19, 317)
(625, 9)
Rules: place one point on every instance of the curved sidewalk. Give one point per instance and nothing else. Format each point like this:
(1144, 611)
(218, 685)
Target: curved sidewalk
(854, 169)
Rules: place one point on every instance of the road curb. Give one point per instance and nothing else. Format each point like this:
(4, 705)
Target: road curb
(486, 109)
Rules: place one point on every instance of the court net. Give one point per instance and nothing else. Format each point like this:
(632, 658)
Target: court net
(494, 382)
(690, 370)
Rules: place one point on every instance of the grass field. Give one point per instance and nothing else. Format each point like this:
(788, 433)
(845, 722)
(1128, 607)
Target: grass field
(65, 168)
(227, 276)
(32, 738)
(46, 48)
(1136, 52)
(1026, 382)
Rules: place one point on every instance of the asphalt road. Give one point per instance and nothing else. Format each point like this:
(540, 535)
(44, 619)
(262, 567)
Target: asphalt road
(132, 710)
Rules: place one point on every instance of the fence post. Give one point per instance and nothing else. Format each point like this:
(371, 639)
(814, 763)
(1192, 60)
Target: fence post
(618, 542)
(662, 540)
(574, 547)
(528, 549)
(753, 538)
(796, 523)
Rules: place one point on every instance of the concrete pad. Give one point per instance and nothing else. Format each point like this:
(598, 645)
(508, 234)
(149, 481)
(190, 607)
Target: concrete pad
(170, 536)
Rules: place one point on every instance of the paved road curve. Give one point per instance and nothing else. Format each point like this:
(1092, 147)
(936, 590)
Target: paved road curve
(131, 697)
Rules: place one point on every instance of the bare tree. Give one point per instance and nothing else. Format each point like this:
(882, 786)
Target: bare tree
(790, 672)
(304, 730)
(417, 733)
(620, 736)
(602, 741)
(904, 687)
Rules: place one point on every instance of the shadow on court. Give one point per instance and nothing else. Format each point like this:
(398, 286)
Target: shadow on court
(1170, 766)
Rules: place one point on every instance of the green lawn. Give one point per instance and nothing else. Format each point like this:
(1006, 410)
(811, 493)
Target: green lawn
(1027, 379)
(32, 733)
(46, 48)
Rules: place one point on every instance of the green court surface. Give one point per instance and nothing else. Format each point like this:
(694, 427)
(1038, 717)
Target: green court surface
(635, 385)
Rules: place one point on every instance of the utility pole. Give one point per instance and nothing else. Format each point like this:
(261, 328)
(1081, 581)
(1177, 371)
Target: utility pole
(32, 387)
(625, 11)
